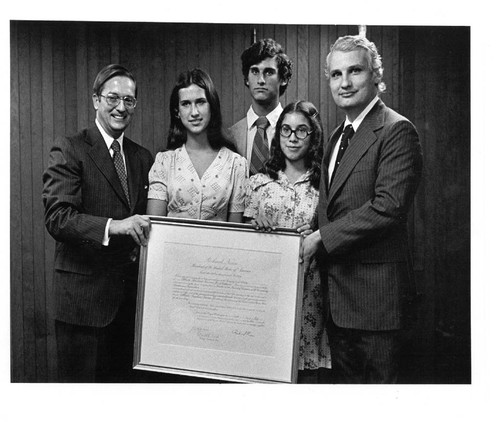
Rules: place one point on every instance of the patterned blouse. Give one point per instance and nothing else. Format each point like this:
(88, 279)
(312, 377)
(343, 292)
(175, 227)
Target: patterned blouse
(290, 205)
(220, 191)
(293, 205)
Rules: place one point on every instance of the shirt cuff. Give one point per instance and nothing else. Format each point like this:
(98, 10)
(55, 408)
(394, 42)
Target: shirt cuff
(105, 239)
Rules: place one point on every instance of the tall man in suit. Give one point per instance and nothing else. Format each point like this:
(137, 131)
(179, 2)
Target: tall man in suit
(266, 71)
(95, 190)
(369, 179)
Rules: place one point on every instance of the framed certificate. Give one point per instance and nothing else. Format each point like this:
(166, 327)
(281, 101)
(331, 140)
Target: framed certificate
(219, 300)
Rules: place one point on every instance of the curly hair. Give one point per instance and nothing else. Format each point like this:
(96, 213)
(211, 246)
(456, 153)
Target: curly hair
(314, 154)
(265, 49)
(177, 134)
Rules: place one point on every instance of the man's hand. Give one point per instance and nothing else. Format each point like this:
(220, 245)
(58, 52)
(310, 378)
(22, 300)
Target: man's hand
(137, 226)
(310, 246)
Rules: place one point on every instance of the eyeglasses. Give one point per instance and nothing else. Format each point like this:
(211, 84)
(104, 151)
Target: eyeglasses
(300, 133)
(113, 100)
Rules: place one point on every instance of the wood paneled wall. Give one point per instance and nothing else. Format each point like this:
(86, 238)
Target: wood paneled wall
(435, 95)
(53, 65)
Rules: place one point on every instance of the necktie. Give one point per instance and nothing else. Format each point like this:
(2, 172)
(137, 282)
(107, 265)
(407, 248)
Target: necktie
(344, 143)
(260, 149)
(120, 167)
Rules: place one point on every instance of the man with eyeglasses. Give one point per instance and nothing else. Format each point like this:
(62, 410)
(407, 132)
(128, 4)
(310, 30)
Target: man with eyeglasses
(95, 192)
(266, 71)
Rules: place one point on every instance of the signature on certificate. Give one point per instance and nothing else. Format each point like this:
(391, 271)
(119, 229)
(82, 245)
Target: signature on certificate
(243, 333)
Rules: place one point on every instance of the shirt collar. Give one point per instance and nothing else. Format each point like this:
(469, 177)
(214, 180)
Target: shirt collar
(109, 139)
(273, 116)
(304, 178)
(358, 120)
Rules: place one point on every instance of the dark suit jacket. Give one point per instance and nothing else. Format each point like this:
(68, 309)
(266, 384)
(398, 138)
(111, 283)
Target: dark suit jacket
(81, 191)
(363, 221)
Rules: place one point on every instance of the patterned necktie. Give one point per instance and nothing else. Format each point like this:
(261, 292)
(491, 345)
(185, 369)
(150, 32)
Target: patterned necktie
(344, 143)
(260, 149)
(120, 167)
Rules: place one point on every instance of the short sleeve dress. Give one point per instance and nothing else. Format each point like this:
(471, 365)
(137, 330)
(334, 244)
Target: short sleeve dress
(221, 190)
(293, 205)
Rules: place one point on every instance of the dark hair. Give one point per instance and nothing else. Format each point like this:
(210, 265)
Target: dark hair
(314, 154)
(108, 72)
(177, 134)
(264, 49)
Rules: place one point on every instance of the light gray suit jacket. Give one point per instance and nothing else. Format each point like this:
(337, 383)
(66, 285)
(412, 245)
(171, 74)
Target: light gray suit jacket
(238, 137)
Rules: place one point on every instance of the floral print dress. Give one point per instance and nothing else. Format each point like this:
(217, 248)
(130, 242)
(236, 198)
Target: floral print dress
(220, 190)
(293, 205)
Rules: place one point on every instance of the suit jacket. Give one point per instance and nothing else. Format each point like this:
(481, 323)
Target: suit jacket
(238, 136)
(363, 221)
(81, 192)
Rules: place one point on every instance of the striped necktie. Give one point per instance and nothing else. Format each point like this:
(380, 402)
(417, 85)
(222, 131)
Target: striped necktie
(260, 149)
(120, 167)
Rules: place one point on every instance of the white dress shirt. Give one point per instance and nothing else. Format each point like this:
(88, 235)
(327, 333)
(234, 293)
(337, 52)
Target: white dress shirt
(252, 117)
(109, 140)
(355, 126)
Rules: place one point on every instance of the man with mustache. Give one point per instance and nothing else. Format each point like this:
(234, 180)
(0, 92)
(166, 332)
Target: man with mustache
(266, 71)
(371, 169)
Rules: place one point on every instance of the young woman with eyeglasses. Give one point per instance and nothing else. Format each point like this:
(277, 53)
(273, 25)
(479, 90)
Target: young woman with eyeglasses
(286, 195)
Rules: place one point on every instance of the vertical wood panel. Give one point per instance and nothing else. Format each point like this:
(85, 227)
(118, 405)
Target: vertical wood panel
(391, 73)
(58, 81)
(215, 60)
(157, 96)
(279, 34)
(205, 48)
(16, 262)
(324, 88)
(240, 43)
(303, 60)
(48, 96)
(82, 84)
(72, 107)
(314, 65)
(290, 46)
(441, 60)
(132, 58)
(334, 115)
(170, 72)
(26, 227)
(229, 68)
(145, 130)
(37, 211)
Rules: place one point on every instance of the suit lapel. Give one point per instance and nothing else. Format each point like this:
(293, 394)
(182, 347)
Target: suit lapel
(327, 155)
(240, 136)
(100, 155)
(133, 170)
(364, 137)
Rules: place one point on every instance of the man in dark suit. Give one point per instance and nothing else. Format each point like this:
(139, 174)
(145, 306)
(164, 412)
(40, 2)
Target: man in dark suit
(95, 188)
(371, 170)
(267, 71)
